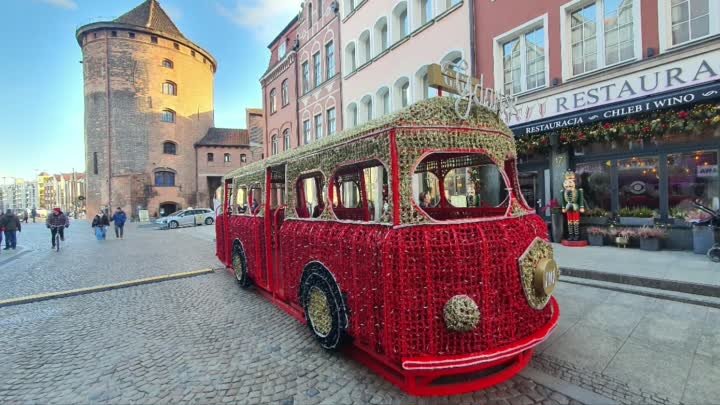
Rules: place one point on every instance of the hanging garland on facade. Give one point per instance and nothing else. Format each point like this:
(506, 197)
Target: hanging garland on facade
(644, 128)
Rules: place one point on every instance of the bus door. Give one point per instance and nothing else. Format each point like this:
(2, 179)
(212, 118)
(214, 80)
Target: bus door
(221, 223)
(276, 203)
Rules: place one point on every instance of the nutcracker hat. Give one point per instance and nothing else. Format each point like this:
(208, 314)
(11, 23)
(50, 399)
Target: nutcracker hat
(569, 174)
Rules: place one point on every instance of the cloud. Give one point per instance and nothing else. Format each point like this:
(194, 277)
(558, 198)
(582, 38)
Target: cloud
(266, 18)
(66, 4)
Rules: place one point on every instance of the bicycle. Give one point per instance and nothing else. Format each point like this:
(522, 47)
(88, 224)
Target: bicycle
(57, 237)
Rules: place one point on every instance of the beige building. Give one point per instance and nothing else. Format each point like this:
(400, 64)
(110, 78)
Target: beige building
(148, 101)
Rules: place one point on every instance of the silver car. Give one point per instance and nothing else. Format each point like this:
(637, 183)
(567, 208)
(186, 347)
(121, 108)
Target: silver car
(188, 217)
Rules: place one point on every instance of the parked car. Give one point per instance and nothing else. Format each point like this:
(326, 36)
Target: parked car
(188, 217)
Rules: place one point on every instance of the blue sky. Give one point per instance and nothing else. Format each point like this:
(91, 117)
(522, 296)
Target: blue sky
(41, 118)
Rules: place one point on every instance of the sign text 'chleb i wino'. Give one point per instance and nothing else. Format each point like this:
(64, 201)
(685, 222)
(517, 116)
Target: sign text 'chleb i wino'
(450, 77)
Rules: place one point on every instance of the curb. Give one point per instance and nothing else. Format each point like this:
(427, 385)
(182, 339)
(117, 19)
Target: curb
(569, 390)
(89, 290)
(647, 282)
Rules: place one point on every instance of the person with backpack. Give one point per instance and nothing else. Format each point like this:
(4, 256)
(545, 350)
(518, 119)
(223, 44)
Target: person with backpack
(119, 218)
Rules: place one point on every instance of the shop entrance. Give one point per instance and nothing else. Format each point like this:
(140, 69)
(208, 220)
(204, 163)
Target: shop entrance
(168, 208)
(533, 185)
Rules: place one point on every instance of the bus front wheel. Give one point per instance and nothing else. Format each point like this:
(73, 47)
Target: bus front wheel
(324, 305)
(240, 267)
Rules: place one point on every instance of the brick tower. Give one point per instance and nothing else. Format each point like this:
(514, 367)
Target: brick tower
(148, 100)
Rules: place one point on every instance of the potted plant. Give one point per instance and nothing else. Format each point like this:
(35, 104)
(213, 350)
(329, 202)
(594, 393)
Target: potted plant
(637, 216)
(703, 233)
(595, 216)
(596, 236)
(623, 237)
(650, 238)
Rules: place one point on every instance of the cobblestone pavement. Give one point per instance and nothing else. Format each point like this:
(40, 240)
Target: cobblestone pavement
(85, 262)
(199, 340)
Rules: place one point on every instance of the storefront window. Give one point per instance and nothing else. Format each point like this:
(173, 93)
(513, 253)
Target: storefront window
(594, 179)
(693, 176)
(638, 183)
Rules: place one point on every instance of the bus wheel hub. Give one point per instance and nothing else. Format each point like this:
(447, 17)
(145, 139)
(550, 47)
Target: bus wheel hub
(319, 312)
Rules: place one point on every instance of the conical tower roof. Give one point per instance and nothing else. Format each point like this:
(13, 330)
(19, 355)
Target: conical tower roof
(149, 14)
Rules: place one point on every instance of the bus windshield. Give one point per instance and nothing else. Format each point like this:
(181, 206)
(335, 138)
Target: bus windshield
(451, 186)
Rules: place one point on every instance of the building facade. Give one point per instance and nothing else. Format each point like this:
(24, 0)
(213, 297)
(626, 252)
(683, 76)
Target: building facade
(280, 92)
(624, 93)
(318, 71)
(69, 192)
(19, 195)
(388, 46)
(148, 100)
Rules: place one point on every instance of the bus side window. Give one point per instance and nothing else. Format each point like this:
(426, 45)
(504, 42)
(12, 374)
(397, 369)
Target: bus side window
(255, 200)
(309, 196)
(360, 193)
(240, 202)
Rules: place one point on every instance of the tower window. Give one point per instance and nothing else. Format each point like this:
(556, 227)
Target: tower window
(94, 35)
(192, 53)
(226, 158)
(113, 33)
(131, 34)
(169, 88)
(164, 179)
(95, 163)
(167, 63)
(210, 157)
(169, 148)
(243, 158)
(154, 39)
(177, 46)
(168, 116)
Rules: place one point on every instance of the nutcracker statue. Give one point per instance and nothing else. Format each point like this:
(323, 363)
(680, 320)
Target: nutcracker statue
(573, 205)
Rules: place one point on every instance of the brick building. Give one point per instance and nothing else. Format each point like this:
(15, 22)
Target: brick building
(148, 101)
(622, 92)
(279, 87)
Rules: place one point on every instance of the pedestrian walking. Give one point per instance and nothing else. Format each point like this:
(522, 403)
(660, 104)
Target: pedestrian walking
(25, 216)
(99, 224)
(11, 225)
(33, 214)
(119, 218)
(2, 229)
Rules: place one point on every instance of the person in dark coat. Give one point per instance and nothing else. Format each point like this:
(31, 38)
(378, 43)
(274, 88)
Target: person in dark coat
(119, 218)
(25, 216)
(33, 214)
(11, 225)
(57, 222)
(99, 224)
(2, 230)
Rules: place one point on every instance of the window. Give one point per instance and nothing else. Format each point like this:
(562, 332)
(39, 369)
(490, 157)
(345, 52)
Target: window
(693, 176)
(131, 35)
(384, 97)
(255, 200)
(350, 65)
(426, 11)
(367, 105)
(274, 145)
(352, 116)
(154, 39)
(168, 116)
(381, 35)
(309, 15)
(523, 62)
(601, 34)
(286, 139)
(330, 59)
(594, 179)
(210, 157)
(169, 88)
(305, 77)
(169, 148)
(95, 35)
(474, 186)
(95, 163)
(690, 20)
(192, 53)
(638, 183)
(331, 121)
(282, 49)
(359, 193)
(318, 126)
(226, 158)
(243, 158)
(273, 101)
(320, 9)
(164, 179)
(240, 202)
(405, 94)
(176, 46)
(350, 6)
(306, 131)
(113, 33)
(364, 52)
(309, 201)
(423, 88)
(318, 69)
(167, 63)
(285, 93)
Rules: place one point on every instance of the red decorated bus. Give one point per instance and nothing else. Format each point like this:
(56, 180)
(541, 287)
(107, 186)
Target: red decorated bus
(404, 242)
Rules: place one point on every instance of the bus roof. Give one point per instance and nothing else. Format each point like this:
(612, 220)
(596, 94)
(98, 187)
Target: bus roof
(435, 112)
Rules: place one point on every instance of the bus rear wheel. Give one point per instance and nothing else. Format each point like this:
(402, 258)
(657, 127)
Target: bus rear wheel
(240, 267)
(324, 305)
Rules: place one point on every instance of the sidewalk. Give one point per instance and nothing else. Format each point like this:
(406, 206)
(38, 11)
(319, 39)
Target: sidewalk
(674, 266)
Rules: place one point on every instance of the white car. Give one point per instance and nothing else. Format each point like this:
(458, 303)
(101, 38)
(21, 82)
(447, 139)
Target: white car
(188, 217)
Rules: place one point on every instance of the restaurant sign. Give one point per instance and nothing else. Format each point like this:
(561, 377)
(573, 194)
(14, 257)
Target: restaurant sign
(689, 72)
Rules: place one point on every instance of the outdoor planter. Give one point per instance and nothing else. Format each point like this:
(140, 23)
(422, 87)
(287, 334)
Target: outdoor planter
(593, 220)
(652, 244)
(703, 239)
(596, 240)
(622, 241)
(636, 221)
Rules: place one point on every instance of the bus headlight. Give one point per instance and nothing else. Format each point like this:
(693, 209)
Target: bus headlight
(461, 314)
